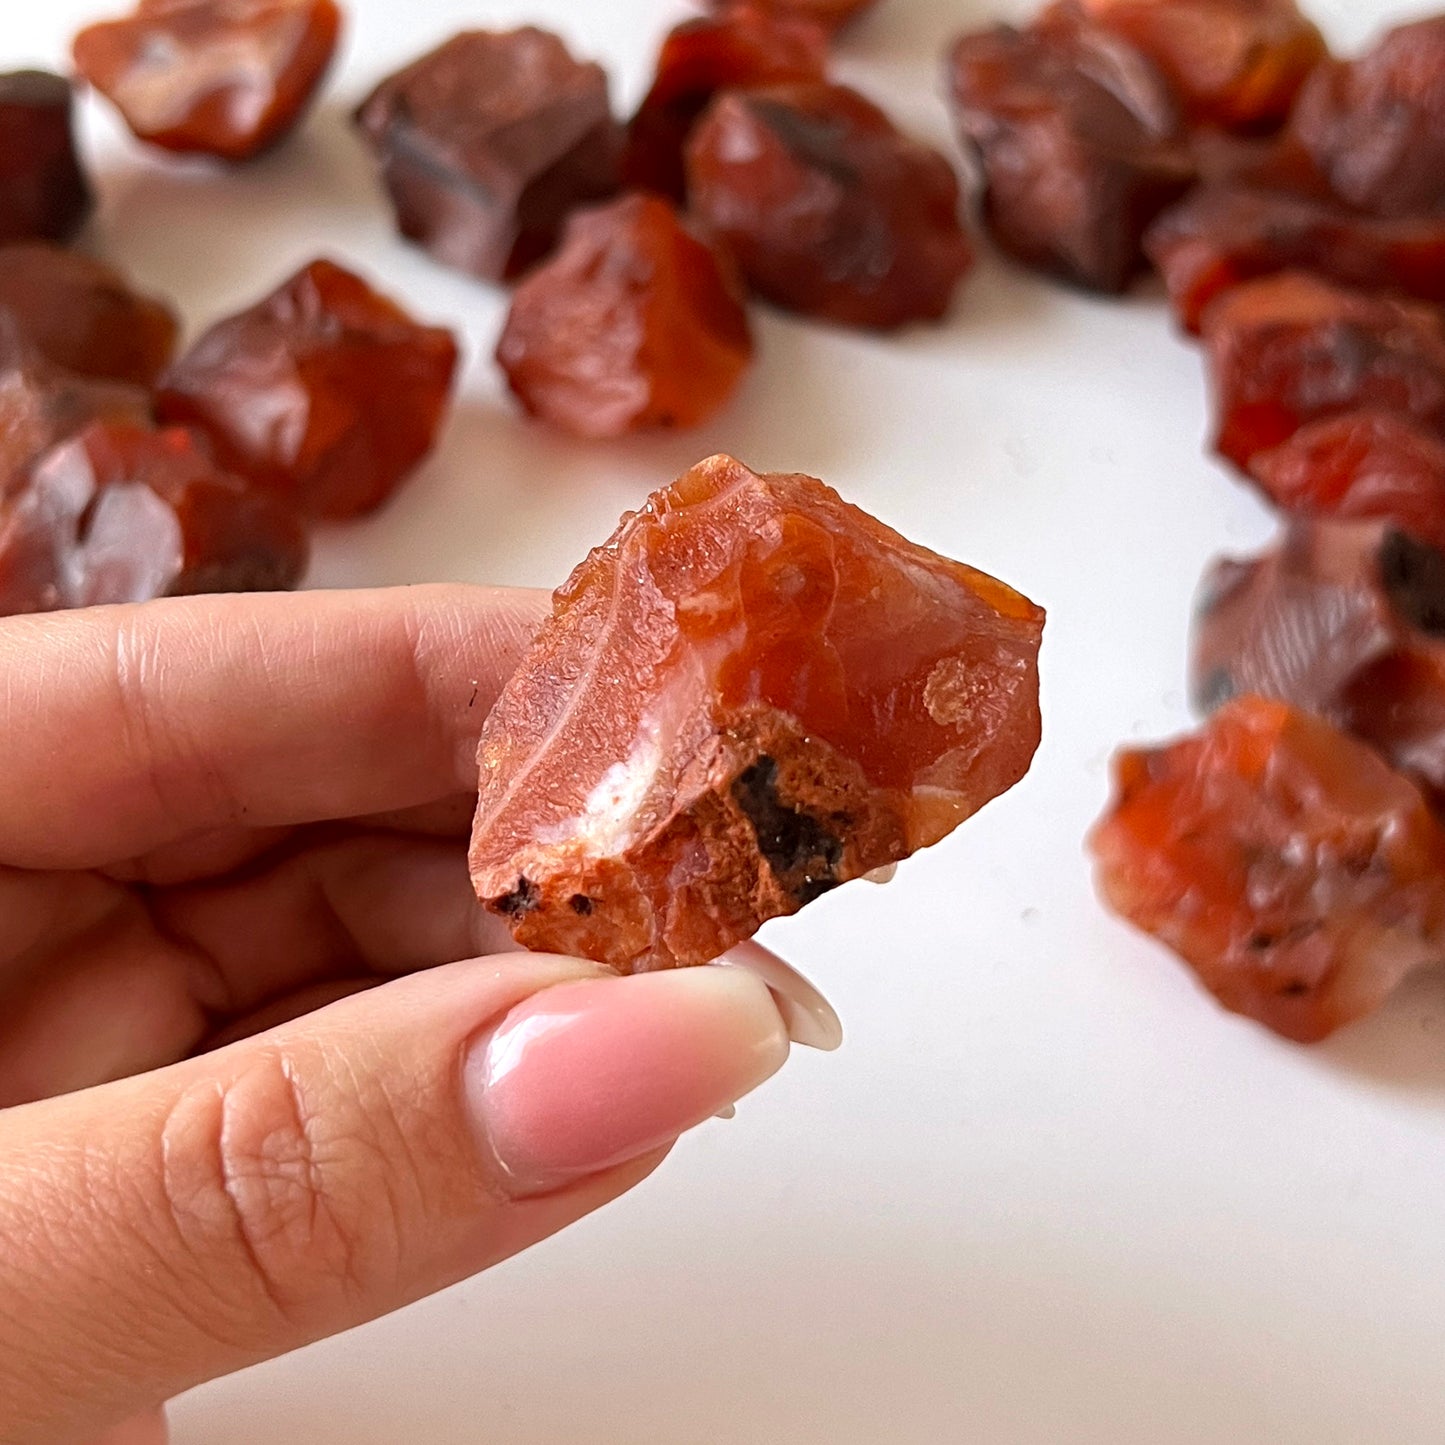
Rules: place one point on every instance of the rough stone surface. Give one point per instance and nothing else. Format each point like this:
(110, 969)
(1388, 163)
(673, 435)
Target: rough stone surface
(1291, 349)
(44, 194)
(828, 208)
(742, 47)
(229, 80)
(1297, 874)
(1080, 142)
(1375, 127)
(123, 513)
(325, 391)
(637, 323)
(489, 142)
(752, 693)
(1342, 619)
(1360, 466)
(83, 315)
(1237, 64)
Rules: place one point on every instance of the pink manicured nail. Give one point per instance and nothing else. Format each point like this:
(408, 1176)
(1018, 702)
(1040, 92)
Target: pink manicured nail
(588, 1075)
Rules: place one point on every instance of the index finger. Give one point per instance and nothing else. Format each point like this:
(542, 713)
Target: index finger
(123, 729)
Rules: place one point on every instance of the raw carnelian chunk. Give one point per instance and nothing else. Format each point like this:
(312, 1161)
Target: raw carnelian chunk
(752, 693)
(827, 207)
(1364, 465)
(44, 194)
(489, 142)
(42, 404)
(1375, 127)
(741, 47)
(324, 391)
(1297, 874)
(121, 513)
(1342, 619)
(84, 316)
(637, 322)
(1237, 64)
(831, 14)
(227, 78)
(1291, 349)
(1080, 142)
(1221, 236)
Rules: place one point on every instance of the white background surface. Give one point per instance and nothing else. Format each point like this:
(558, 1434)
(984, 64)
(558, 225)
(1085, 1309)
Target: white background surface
(1047, 1194)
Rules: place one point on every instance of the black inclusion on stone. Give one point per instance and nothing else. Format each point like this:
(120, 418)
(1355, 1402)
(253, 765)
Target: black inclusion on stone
(581, 904)
(521, 901)
(800, 850)
(1414, 576)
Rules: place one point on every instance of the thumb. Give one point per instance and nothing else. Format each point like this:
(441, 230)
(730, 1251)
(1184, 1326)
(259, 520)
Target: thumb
(160, 1231)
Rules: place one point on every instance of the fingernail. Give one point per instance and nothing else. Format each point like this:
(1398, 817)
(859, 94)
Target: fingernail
(588, 1075)
(809, 1017)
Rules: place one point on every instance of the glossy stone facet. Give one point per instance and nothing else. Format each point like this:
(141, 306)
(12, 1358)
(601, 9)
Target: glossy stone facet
(1375, 127)
(125, 514)
(1237, 64)
(83, 315)
(827, 207)
(740, 48)
(636, 323)
(488, 143)
(1345, 620)
(1291, 349)
(830, 14)
(1297, 874)
(751, 693)
(1080, 141)
(44, 195)
(325, 391)
(1360, 466)
(228, 79)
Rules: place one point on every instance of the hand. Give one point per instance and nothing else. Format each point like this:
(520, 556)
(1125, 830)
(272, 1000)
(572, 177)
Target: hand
(218, 816)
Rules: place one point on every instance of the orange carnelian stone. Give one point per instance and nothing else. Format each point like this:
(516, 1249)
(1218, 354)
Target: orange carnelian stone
(752, 693)
(123, 513)
(84, 315)
(1237, 64)
(636, 323)
(489, 142)
(1375, 128)
(1080, 143)
(1291, 349)
(227, 78)
(1343, 619)
(1297, 874)
(1222, 235)
(827, 207)
(741, 47)
(325, 391)
(830, 14)
(1364, 465)
(44, 194)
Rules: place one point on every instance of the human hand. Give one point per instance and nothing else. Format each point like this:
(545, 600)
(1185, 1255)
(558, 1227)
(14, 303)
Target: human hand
(218, 816)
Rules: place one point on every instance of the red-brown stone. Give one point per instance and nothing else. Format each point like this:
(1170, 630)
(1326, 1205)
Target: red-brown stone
(44, 194)
(1080, 141)
(1345, 620)
(742, 47)
(83, 315)
(324, 391)
(752, 693)
(489, 142)
(1223, 235)
(1297, 874)
(1237, 64)
(123, 513)
(830, 14)
(1360, 466)
(828, 208)
(229, 80)
(1291, 349)
(636, 323)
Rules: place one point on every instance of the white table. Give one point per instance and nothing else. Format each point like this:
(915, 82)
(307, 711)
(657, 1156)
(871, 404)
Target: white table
(1048, 1194)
